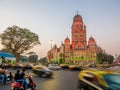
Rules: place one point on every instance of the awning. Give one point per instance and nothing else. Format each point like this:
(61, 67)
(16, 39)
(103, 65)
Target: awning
(8, 55)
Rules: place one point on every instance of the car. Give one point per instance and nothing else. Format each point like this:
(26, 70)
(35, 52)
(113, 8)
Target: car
(98, 80)
(54, 66)
(42, 71)
(28, 66)
(64, 65)
(74, 67)
(17, 65)
(92, 65)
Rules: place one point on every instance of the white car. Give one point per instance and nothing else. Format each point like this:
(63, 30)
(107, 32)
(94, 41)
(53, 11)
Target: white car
(54, 66)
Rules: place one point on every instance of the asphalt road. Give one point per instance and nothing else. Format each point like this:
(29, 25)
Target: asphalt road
(61, 80)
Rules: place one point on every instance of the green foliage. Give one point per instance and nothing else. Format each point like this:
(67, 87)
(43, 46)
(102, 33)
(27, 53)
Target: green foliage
(61, 58)
(110, 59)
(3, 59)
(104, 58)
(33, 58)
(31, 53)
(100, 57)
(5, 50)
(23, 58)
(43, 61)
(17, 40)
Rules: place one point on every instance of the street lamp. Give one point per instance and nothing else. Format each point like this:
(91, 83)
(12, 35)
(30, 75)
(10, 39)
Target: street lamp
(51, 43)
(51, 54)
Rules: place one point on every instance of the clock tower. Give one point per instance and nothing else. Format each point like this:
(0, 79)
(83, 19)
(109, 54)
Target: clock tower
(78, 31)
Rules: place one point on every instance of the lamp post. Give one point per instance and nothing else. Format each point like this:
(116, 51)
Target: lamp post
(51, 53)
(51, 42)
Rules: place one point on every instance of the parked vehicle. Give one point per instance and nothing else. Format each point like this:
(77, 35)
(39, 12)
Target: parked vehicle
(42, 71)
(54, 66)
(98, 80)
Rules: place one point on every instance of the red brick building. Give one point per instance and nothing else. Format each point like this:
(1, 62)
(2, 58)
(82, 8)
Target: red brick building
(76, 50)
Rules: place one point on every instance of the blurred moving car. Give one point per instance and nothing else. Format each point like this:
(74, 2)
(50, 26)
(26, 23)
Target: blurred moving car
(17, 65)
(64, 65)
(93, 65)
(28, 66)
(74, 67)
(54, 66)
(42, 71)
(98, 80)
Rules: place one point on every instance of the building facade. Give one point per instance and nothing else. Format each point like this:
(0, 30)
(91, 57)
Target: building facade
(78, 49)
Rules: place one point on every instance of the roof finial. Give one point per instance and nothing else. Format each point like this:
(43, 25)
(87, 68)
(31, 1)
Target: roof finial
(77, 12)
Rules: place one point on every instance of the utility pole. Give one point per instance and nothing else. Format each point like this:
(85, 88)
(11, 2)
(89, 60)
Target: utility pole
(51, 42)
(51, 53)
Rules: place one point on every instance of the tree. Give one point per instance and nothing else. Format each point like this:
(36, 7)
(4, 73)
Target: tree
(17, 40)
(110, 59)
(31, 53)
(43, 61)
(61, 60)
(5, 50)
(23, 58)
(104, 58)
(33, 58)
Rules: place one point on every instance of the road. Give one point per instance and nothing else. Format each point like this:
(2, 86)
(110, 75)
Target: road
(61, 80)
(115, 68)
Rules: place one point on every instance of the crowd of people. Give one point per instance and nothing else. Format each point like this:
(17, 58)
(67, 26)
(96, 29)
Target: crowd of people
(19, 76)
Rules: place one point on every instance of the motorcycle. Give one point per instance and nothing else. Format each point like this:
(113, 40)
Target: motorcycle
(16, 85)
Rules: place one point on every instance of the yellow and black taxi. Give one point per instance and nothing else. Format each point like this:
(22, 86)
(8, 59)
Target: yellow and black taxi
(64, 65)
(17, 65)
(75, 67)
(98, 80)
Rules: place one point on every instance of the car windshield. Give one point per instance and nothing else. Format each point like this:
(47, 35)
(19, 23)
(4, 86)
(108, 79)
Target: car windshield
(112, 79)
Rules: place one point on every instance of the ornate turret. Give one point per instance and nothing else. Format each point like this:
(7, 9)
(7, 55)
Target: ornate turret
(67, 41)
(91, 41)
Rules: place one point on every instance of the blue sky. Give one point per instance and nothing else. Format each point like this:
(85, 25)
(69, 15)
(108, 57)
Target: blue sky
(52, 20)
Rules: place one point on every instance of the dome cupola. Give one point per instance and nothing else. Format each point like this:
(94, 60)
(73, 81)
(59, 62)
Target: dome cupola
(91, 40)
(77, 18)
(67, 40)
